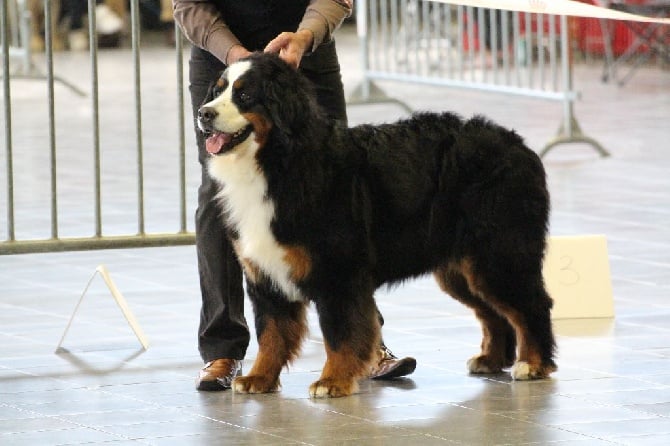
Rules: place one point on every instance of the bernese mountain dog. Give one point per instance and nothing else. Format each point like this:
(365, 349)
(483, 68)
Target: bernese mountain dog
(320, 212)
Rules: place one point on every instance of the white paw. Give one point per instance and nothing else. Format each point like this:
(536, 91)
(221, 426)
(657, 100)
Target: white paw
(329, 389)
(520, 371)
(319, 392)
(476, 366)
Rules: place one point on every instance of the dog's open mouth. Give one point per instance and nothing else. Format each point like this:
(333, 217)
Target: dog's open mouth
(220, 142)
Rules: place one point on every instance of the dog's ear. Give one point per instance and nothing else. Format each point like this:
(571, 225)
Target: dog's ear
(289, 100)
(283, 109)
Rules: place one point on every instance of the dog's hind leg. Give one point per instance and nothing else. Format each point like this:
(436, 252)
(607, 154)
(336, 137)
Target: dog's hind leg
(351, 333)
(280, 328)
(514, 288)
(498, 347)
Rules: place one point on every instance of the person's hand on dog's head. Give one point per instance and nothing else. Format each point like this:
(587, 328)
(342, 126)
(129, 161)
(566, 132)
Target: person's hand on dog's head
(291, 46)
(235, 53)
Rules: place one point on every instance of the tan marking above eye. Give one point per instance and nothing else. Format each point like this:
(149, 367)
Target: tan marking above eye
(239, 83)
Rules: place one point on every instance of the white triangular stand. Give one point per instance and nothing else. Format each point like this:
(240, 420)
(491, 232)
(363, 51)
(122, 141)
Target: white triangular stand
(120, 301)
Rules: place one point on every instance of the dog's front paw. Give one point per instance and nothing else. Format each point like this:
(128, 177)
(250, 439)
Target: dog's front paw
(522, 371)
(255, 384)
(333, 388)
(483, 364)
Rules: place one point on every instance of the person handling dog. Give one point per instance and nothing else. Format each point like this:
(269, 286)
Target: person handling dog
(221, 33)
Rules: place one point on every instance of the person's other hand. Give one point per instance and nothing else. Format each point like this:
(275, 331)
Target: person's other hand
(291, 46)
(235, 53)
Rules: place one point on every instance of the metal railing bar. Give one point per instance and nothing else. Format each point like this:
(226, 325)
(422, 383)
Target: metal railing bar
(95, 124)
(53, 171)
(95, 243)
(6, 93)
(135, 39)
(181, 126)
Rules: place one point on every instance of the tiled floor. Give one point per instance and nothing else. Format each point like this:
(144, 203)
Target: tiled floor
(613, 382)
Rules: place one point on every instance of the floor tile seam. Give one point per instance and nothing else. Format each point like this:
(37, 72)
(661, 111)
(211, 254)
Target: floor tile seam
(639, 282)
(614, 437)
(75, 424)
(185, 410)
(248, 429)
(37, 312)
(149, 403)
(113, 331)
(654, 385)
(559, 428)
(640, 325)
(508, 416)
(617, 344)
(36, 341)
(639, 261)
(605, 374)
(61, 378)
(601, 403)
(589, 436)
(626, 438)
(578, 217)
(37, 285)
(657, 208)
(409, 431)
(413, 432)
(609, 420)
(610, 170)
(583, 396)
(639, 408)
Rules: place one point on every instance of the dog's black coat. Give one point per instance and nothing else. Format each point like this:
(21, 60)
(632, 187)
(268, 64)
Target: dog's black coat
(379, 204)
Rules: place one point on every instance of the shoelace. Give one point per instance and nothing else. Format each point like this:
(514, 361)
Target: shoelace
(386, 353)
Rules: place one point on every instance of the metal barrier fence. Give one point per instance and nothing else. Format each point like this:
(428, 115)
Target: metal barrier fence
(439, 43)
(17, 23)
(17, 64)
(417, 41)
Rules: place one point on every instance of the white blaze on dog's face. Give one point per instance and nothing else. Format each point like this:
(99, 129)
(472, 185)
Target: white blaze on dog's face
(238, 127)
(227, 125)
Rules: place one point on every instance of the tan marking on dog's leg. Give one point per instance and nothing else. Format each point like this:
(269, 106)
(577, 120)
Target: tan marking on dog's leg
(529, 360)
(452, 280)
(495, 336)
(340, 374)
(300, 262)
(278, 345)
(351, 360)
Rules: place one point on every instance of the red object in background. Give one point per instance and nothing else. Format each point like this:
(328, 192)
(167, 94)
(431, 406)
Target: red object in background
(589, 35)
(587, 32)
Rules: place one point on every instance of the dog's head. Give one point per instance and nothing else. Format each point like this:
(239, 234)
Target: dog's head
(250, 99)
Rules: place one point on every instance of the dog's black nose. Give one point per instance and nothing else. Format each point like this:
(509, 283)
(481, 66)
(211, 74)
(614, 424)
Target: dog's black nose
(206, 114)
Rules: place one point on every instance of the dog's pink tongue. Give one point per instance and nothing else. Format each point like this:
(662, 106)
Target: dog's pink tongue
(215, 142)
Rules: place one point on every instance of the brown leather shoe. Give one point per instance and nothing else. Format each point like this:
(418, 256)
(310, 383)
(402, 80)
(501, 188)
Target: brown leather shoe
(218, 374)
(390, 366)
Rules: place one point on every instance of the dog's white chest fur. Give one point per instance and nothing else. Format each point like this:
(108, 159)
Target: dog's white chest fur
(250, 212)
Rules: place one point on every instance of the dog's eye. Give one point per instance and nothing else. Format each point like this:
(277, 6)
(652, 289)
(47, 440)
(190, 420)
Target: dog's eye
(244, 96)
